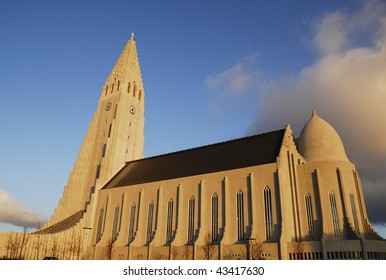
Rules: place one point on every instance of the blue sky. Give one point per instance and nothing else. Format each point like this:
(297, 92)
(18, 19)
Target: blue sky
(212, 71)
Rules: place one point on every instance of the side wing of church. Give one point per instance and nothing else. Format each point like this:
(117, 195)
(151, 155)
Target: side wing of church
(266, 196)
(251, 198)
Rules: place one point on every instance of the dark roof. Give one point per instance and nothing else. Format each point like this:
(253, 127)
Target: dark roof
(239, 153)
(63, 224)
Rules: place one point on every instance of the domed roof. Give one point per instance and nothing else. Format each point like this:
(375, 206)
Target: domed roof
(319, 141)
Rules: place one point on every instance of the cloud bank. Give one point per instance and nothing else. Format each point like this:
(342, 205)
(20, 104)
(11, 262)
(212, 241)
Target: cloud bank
(12, 212)
(346, 85)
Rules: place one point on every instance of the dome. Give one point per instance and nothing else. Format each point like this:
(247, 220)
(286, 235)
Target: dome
(319, 141)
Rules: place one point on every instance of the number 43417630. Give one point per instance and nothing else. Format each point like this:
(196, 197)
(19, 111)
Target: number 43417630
(240, 270)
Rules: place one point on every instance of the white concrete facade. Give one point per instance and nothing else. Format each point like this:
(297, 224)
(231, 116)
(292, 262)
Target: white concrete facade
(268, 196)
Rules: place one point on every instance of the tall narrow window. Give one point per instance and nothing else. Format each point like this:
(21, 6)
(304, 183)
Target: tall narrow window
(115, 111)
(140, 95)
(310, 217)
(214, 217)
(268, 213)
(100, 221)
(131, 223)
(119, 82)
(128, 87)
(354, 212)
(98, 171)
(334, 214)
(114, 234)
(104, 150)
(149, 234)
(169, 223)
(191, 220)
(109, 133)
(134, 90)
(107, 87)
(240, 215)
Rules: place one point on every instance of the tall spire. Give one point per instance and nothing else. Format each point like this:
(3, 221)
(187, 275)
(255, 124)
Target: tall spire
(126, 67)
(115, 135)
(119, 68)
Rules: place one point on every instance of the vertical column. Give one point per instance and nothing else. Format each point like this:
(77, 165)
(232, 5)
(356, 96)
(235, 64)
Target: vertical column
(252, 207)
(201, 208)
(225, 210)
(179, 238)
(159, 233)
(362, 210)
(341, 193)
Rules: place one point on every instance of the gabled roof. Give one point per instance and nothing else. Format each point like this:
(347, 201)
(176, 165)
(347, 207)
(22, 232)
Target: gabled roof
(244, 152)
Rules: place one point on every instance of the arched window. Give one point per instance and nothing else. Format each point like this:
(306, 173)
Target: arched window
(107, 88)
(149, 234)
(310, 217)
(268, 213)
(354, 212)
(131, 222)
(214, 217)
(114, 234)
(334, 214)
(191, 219)
(140, 95)
(240, 215)
(100, 221)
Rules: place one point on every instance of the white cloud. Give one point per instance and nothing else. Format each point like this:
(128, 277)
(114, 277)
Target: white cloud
(12, 212)
(339, 31)
(347, 87)
(330, 33)
(237, 80)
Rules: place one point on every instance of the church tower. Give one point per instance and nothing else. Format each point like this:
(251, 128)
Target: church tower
(115, 136)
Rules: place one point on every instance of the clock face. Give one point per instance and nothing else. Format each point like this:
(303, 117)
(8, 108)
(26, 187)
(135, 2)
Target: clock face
(132, 109)
(108, 106)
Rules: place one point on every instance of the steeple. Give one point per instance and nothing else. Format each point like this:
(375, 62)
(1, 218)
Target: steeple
(124, 86)
(127, 64)
(115, 135)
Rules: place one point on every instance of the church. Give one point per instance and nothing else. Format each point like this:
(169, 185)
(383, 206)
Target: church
(268, 196)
